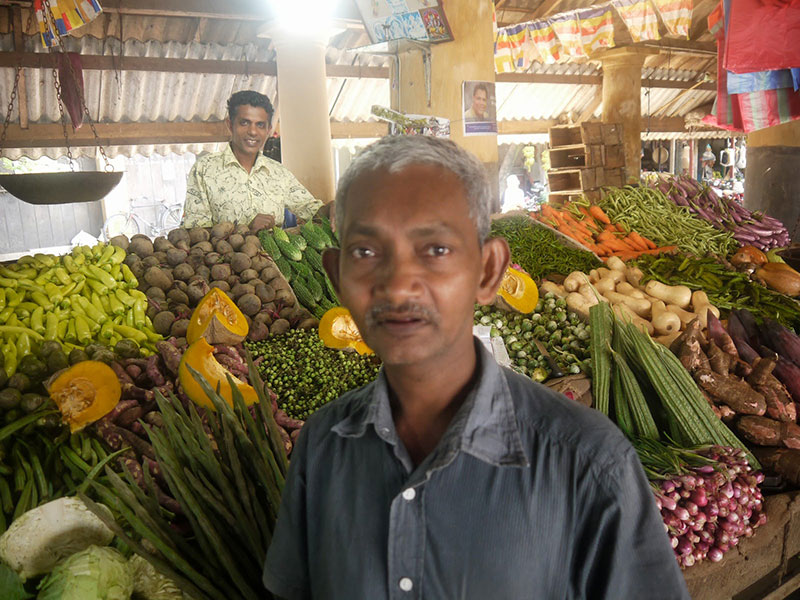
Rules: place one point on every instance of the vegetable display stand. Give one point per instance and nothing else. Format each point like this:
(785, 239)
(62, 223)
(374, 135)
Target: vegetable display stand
(766, 565)
(584, 158)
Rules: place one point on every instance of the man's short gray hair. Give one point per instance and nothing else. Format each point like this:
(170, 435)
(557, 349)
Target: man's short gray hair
(395, 153)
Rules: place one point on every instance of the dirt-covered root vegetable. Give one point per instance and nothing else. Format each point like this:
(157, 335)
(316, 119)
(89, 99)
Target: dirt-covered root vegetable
(43, 536)
(141, 247)
(580, 303)
(222, 230)
(158, 277)
(735, 393)
(121, 241)
(85, 392)
(575, 280)
(615, 263)
(553, 288)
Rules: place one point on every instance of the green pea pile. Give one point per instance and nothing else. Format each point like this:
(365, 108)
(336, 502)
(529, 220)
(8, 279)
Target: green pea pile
(305, 374)
(563, 334)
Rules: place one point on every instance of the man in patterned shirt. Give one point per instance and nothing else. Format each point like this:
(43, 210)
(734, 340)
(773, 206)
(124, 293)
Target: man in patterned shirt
(240, 184)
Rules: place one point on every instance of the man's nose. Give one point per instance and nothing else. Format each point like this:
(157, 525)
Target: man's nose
(399, 279)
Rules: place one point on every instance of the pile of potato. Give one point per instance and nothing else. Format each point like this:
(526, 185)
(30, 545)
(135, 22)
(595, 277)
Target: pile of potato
(177, 271)
(663, 311)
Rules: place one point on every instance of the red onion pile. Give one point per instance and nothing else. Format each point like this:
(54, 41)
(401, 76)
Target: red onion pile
(708, 511)
(748, 228)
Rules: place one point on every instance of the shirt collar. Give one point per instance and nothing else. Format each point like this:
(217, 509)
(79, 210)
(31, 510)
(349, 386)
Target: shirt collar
(485, 426)
(229, 158)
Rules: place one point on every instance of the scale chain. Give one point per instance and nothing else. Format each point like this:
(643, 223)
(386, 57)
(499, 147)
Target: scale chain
(108, 166)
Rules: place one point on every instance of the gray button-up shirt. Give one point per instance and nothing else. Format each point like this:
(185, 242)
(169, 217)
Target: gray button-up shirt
(527, 495)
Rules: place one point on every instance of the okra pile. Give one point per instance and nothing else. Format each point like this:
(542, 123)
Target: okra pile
(305, 374)
(564, 335)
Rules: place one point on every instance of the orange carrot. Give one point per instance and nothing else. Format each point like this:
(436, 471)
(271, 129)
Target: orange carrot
(585, 212)
(650, 243)
(598, 214)
(607, 236)
(635, 240)
(621, 228)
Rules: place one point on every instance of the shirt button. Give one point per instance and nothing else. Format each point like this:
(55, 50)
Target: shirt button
(409, 494)
(406, 584)
(385, 430)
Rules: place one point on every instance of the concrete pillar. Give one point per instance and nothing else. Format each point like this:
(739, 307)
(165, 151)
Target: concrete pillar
(771, 182)
(622, 99)
(469, 57)
(305, 124)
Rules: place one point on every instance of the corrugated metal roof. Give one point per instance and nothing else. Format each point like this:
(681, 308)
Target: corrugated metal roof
(145, 97)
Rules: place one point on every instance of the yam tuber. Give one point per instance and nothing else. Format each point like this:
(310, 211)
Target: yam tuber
(731, 391)
(769, 432)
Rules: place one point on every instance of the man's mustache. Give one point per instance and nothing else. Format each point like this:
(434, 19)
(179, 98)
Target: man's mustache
(407, 310)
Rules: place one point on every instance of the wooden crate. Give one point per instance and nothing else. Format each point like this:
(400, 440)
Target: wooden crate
(560, 198)
(587, 133)
(614, 156)
(574, 180)
(578, 155)
(610, 177)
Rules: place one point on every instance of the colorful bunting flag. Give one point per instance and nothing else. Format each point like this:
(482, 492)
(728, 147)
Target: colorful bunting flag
(63, 17)
(513, 49)
(640, 19)
(597, 28)
(568, 30)
(544, 38)
(676, 14)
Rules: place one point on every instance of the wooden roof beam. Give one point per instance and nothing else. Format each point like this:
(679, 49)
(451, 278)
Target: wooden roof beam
(50, 135)
(43, 60)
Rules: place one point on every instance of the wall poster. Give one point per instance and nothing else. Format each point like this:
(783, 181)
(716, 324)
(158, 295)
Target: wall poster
(388, 20)
(480, 107)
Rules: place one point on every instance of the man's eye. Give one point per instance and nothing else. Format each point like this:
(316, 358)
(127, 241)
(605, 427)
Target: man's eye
(363, 253)
(437, 250)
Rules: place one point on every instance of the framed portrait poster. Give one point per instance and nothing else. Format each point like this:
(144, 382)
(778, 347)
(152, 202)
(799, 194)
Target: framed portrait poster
(479, 104)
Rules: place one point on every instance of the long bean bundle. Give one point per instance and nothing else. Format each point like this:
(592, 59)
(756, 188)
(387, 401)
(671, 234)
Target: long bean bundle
(539, 251)
(227, 473)
(655, 216)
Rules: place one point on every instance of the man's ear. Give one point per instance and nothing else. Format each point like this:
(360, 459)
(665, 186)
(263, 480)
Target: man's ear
(494, 261)
(330, 261)
(228, 124)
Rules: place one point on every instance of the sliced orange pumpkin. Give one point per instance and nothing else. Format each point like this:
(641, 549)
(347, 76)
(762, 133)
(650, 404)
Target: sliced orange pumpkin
(217, 319)
(85, 393)
(519, 291)
(200, 356)
(337, 329)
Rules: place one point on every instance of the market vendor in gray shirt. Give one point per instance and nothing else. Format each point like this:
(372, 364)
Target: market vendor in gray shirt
(450, 477)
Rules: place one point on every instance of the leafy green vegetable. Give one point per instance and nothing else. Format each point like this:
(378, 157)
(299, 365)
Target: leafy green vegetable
(97, 573)
(149, 584)
(11, 585)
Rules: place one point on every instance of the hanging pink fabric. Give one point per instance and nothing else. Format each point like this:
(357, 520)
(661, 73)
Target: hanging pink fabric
(763, 35)
(748, 111)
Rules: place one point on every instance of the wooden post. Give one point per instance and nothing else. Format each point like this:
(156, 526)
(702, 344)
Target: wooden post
(470, 57)
(305, 125)
(771, 183)
(622, 101)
